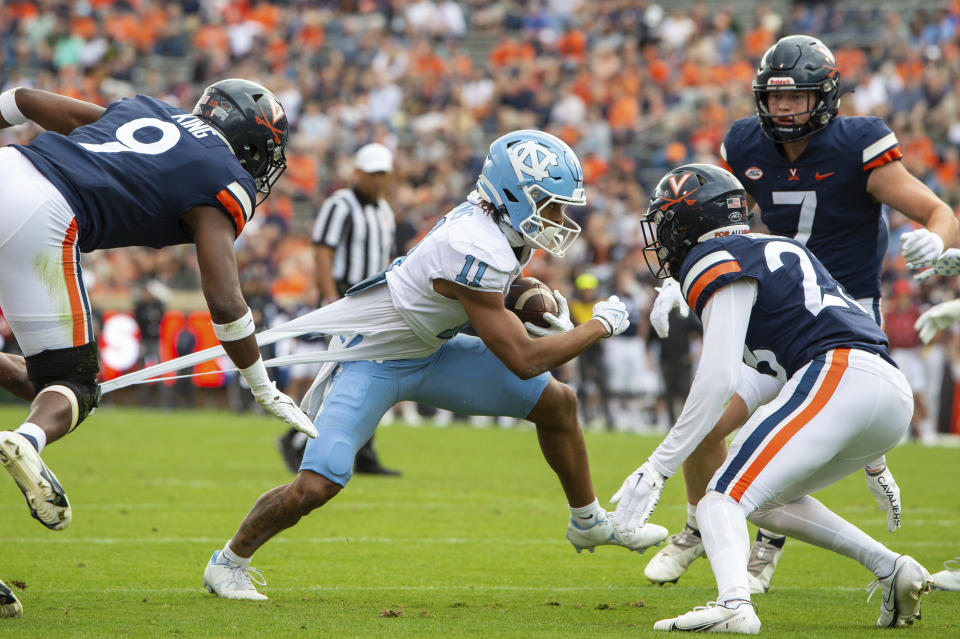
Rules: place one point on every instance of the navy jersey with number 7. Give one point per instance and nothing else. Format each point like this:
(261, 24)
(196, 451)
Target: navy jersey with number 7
(130, 175)
(800, 311)
(821, 199)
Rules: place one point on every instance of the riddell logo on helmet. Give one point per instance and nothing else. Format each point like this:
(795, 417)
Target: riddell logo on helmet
(754, 173)
(780, 82)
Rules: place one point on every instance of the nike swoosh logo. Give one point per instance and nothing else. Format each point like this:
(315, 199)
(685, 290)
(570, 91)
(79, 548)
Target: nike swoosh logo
(822, 176)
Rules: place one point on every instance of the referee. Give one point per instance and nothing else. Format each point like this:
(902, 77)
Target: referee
(353, 238)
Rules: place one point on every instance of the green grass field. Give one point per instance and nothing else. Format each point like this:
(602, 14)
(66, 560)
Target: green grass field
(468, 543)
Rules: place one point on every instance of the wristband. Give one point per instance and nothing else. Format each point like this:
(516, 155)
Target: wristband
(237, 329)
(256, 375)
(9, 109)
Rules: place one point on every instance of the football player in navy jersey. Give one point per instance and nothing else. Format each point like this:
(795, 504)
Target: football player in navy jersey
(138, 173)
(820, 179)
(768, 302)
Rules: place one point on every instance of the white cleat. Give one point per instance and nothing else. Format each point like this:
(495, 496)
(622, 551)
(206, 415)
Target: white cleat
(9, 604)
(604, 532)
(226, 580)
(740, 618)
(901, 592)
(671, 561)
(45, 496)
(762, 563)
(949, 577)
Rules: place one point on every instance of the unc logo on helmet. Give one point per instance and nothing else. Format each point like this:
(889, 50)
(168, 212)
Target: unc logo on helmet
(688, 206)
(525, 173)
(530, 158)
(797, 63)
(252, 122)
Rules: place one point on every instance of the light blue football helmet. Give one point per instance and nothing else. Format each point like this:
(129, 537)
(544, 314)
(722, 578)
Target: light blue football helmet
(525, 171)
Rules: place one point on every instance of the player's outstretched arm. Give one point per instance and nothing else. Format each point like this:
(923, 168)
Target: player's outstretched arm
(213, 234)
(505, 335)
(893, 185)
(51, 111)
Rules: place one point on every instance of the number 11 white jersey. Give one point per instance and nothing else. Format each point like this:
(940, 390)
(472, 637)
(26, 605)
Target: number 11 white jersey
(466, 247)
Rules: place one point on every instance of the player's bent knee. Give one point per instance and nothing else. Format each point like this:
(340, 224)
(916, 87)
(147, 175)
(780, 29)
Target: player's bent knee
(70, 373)
(556, 408)
(310, 490)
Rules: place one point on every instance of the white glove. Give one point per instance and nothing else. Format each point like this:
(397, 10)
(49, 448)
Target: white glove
(669, 297)
(886, 493)
(559, 323)
(937, 318)
(275, 402)
(637, 497)
(279, 405)
(612, 314)
(948, 265)
(920, 247)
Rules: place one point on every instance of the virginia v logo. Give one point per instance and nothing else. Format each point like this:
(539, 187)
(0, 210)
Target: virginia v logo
(532, 159)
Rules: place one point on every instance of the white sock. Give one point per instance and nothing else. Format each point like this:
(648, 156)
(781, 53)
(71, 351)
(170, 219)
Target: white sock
(586, 516)
(809, 520)
(726, 540)
(35, 434)
(233, 558)
(692, 517)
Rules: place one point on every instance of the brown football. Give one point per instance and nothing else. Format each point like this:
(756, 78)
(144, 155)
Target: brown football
(529, 299)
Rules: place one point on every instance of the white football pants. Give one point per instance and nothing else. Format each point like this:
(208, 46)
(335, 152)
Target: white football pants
(41, 289)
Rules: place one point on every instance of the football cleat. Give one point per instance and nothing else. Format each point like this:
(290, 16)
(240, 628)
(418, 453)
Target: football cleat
(901, 592)
(44, 494)
(764, 555)
(230, 581)
(671, 561)
(739, 616)
(9, 604)
(949, 577)
(604, 533)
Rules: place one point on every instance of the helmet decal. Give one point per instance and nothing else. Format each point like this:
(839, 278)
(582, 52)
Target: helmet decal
(532, 159)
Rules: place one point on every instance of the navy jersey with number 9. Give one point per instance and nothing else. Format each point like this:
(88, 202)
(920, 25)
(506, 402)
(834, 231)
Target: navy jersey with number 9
(800, 310)
(130, 175)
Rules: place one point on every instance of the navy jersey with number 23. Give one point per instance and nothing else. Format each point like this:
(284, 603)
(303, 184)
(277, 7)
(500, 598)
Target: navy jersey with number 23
(800, 311)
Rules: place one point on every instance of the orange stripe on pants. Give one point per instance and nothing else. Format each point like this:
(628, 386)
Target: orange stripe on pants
(838, 365)
(71, 278)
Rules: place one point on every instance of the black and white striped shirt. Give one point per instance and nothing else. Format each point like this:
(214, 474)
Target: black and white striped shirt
(362, 235)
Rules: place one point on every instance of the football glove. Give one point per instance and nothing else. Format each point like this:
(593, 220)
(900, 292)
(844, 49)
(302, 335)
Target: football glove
(638, 497)
(920, 247)
(669, 297)
(559, 323)
(948, 265)
(937, 318)
(886, 493)
(612, 313)
(281, 406)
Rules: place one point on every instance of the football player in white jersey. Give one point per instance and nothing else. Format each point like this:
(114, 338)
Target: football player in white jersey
(456, 275)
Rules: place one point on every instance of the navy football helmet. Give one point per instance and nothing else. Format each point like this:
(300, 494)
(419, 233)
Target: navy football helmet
(688, 205)
(798, 63)
(525, 171)
(253, 123)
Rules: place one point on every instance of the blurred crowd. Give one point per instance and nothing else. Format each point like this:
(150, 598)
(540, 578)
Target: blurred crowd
(634, 86)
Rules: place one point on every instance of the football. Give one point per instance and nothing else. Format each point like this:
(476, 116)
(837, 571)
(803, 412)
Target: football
(529, 299)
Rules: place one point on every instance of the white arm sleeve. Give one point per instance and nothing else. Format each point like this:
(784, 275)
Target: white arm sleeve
(725, 319)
